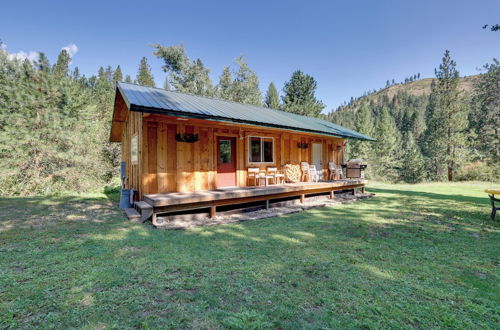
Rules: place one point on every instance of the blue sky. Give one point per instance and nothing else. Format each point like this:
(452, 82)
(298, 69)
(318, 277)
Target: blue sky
(348, 46)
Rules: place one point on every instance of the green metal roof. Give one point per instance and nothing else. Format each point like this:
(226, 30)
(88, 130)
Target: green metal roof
(160, 101)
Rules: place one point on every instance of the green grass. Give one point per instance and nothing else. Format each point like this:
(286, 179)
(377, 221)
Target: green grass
(419, 256)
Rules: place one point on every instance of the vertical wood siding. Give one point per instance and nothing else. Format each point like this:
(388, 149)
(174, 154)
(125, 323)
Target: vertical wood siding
(168, 166)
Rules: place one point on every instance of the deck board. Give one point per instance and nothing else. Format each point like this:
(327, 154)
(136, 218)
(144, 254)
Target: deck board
(171, 199)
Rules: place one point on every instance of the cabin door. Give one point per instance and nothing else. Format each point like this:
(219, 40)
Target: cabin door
(226, 161)
(317, 158)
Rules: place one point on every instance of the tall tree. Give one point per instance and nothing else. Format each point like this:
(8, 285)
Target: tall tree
(118, 75)
(144, 75)
(363, 124)
(272, 99)
(62, 64)
(412, 169)
(446, 134)
(417, 124)
(128, 79)
(42, 63)
(225, 85)
(485, 113)
(387, 150)
(299, 95)
(245, 87)
(187, 76)
(166, 84)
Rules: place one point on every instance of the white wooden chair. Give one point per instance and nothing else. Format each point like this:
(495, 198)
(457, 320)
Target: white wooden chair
(304, 167)
(313, 173)
(263, 176)
(277, 176)
(335, 171)
(253, 173)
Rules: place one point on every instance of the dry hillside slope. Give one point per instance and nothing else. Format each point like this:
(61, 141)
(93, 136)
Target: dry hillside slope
(423, 87)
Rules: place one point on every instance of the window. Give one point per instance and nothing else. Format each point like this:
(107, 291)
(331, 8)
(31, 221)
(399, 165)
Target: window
(134, 149)
(225, 152)
(260, 149)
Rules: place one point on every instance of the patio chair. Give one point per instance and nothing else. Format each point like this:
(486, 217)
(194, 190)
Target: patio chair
(263, 176)
(494, 209)
(335, 171)
(278, 177)
(304, 167)
(253, 173)
(313, 173)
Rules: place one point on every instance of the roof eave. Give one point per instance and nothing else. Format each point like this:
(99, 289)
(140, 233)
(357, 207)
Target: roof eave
(184, 114)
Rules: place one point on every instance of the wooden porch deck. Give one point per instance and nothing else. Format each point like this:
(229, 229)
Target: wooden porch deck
(155, 204)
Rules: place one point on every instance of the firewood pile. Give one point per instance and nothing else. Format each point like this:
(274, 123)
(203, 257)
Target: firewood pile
(292, 172)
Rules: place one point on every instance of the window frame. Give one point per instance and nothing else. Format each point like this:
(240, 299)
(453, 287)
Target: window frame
(249, 148)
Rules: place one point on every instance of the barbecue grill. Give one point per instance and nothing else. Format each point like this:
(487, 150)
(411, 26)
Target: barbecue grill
(355, 168)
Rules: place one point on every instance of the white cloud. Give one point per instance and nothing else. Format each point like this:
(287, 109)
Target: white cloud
(32, 56)
(72, 49)
(21, 56)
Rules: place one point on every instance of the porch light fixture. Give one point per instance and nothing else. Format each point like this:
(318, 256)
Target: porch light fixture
(302, 145)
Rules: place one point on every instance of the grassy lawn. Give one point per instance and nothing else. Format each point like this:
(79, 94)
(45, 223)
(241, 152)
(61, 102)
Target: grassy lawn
(414, 256)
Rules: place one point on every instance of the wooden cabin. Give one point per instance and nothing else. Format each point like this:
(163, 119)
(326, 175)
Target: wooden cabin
(174, 143)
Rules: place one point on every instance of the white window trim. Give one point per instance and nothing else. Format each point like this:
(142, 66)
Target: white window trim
(261, 149)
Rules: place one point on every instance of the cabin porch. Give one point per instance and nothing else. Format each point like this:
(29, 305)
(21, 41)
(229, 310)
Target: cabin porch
(169, 203)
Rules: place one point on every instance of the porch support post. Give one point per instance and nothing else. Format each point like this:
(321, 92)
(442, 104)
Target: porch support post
(267, 204)
(302, 198)
(213, 211)
(363, 190)
(153, 219)
(332, 196)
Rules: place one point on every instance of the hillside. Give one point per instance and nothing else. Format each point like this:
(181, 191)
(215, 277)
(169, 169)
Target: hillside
(412, 95)
(415, 88)
(423, 87)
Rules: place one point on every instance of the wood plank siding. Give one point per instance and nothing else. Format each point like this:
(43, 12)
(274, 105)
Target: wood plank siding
(166, 165)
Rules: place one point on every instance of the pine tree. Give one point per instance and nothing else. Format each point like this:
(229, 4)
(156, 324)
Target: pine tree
(42, 63)
(245, 87)
(109, 73)
(144, 75)
(128, 79)
(412, 170)
(118, 75)
(186, 76)
(485, 113)
(225, 85)
(272, 99)
(299, 95)
(446, 135)
(363, 124)
(62, 64)
(417, 125)
(387, 150)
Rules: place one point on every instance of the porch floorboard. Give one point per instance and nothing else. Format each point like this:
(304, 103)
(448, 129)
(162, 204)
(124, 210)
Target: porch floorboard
(241, 193)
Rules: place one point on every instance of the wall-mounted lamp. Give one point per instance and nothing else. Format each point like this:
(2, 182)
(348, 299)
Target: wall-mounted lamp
(302, 145)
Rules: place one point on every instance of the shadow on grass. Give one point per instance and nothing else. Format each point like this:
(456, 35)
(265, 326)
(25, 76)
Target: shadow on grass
(414, 255)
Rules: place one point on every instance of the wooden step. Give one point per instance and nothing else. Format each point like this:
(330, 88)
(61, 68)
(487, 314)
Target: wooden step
(132, 214)
(143, 205)
(145, 209)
